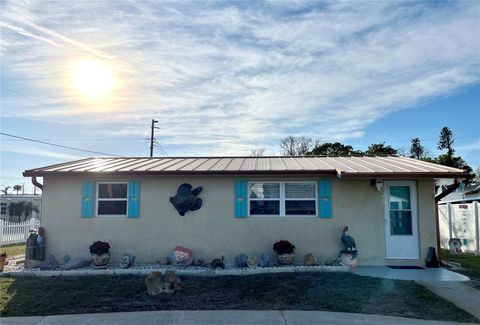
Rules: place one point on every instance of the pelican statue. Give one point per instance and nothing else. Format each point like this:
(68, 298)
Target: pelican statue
(349, 243)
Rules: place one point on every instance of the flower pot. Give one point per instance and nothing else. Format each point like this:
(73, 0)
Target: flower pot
(286, 259)
(100, 259)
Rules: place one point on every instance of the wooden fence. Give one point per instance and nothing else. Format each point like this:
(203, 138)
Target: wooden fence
(16, 232)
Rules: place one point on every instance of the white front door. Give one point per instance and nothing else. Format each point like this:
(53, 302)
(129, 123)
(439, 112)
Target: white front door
(401, 220)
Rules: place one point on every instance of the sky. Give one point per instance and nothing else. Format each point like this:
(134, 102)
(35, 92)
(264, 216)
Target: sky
(226, 77)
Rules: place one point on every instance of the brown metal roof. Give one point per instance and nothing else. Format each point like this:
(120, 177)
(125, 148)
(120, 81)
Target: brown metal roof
(344, 167)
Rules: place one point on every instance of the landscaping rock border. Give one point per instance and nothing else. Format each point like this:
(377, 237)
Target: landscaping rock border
(181, 271)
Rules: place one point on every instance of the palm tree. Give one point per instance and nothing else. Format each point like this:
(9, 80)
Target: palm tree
(17, 188)
(5, 191)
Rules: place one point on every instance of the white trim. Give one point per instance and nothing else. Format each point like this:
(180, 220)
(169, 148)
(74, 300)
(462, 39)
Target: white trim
(404, 247)
(282, 200)
(107, 199)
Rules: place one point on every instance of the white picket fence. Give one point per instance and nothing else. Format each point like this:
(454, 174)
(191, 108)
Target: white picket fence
(16, 232)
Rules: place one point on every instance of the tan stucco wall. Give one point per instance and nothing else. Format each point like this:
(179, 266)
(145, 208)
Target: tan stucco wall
(213, 230)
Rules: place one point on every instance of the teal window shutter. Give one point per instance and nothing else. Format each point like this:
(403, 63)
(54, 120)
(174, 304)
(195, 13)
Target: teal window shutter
(133, 199)
(87, 199)
(241, 199)
(325, 198)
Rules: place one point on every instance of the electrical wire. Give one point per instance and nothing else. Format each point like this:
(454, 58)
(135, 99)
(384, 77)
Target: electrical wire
(58, 145)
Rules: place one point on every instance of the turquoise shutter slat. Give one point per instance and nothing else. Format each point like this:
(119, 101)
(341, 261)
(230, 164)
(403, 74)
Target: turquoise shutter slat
(87, 199)
(133, 199)
(241, 199)
(325, 198)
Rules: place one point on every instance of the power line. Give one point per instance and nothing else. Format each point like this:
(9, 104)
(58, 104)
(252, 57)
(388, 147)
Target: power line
(57, 145)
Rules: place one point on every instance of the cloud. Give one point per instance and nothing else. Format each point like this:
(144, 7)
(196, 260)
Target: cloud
(35, 151)
(223, 78)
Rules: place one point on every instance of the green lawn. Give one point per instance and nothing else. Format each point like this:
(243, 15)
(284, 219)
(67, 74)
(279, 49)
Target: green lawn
(470, 265)
(342, 292)
(12, 250)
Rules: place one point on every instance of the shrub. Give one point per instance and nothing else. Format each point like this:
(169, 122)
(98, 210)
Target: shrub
(99, 247)
(284, 247)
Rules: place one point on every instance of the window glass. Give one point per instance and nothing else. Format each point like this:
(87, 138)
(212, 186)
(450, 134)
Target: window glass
(264, 190)
(112, 191)
(3, 208)
(299, 207)
(265, 207)
(399, 197)
(112, 207)
(401, 222)
(299, 191)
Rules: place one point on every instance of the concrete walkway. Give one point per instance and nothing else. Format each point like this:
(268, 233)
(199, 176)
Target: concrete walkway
(427, 274)
(457, 293)
(236, 317)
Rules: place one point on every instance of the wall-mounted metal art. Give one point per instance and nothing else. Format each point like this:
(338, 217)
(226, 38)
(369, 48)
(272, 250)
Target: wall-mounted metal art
(186, 199)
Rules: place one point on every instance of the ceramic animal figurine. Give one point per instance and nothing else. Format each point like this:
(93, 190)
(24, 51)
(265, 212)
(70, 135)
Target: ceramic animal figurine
(349, 243)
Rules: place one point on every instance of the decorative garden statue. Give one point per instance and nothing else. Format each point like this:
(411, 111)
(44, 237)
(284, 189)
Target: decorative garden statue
(455, 246)
(186, 199)
(349, 243)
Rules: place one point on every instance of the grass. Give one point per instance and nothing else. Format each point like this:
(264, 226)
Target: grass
(14, 249)
(341, 292)
(470, 266)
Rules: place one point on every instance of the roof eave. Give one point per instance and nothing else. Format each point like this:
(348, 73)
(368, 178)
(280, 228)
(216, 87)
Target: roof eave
(344, 175)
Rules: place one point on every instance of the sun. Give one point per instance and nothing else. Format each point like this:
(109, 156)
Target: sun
(94, 79)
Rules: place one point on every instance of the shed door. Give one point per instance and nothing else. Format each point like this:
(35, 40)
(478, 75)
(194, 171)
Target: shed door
(401, 220)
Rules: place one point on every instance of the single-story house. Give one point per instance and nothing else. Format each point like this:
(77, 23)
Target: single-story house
(247, 204)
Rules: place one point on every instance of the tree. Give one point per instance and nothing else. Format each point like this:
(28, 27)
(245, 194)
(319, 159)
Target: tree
(295, 146)
(446, 140)
(476, 178)
(5, 191)
(402, 151)
(380, 149)
(333, 149)
(257, 152)
(417, 151)
(17, 188)
(22, 209)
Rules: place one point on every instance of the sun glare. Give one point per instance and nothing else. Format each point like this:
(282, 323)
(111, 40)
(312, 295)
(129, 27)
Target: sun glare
(94, 79)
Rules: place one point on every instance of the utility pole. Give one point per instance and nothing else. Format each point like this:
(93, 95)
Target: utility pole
(152, 136)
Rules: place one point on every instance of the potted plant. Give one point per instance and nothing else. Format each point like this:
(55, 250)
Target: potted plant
(285, 252)
(100, 253)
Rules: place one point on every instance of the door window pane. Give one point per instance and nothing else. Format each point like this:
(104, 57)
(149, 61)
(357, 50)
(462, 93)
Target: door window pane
(399, 197)
(299, 191)
(401, 222)
(112, 191)
(264, 207)
(300, 207)
(112, 207)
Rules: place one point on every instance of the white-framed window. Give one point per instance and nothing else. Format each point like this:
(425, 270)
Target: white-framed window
(112, 198)
(288, 198)
(3, 209)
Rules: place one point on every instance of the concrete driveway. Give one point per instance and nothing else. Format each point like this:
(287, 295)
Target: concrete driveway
(236, 317)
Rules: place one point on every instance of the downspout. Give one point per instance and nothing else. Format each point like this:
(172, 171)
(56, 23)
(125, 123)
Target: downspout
(36, 183)
(40, 186)
(438, 197)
